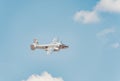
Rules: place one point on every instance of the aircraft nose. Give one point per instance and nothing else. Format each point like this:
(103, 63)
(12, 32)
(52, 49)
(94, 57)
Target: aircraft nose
(63, 46)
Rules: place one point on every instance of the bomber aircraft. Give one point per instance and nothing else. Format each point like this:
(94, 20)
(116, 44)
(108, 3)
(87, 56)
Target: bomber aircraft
(55, 45)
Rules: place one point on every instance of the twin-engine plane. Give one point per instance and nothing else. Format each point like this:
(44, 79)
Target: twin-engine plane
(55, 45)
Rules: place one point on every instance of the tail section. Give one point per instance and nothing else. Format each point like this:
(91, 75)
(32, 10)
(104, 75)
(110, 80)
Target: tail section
(35, 43)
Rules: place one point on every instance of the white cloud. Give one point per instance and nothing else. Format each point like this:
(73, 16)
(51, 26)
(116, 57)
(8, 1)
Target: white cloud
(44, 77)
(107, 36)
(92, 16)
(86, 17)
(108, 6)
(105, 32)
(116, 45)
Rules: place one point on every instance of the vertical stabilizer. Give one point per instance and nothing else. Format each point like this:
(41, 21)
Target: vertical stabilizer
(35, 41)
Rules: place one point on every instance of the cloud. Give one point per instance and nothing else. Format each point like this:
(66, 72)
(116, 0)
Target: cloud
(116, 45)
(108, 37)
(43, 77)
(105, 32)
(102, 6)
(86, 17)
(108, 6)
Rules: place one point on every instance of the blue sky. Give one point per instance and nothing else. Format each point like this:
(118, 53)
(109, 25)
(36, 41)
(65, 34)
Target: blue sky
(90, 28)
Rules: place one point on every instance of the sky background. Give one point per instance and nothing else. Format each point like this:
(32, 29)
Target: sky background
(90, 28)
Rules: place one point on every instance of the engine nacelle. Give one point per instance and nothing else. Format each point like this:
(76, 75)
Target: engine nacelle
(56, 49)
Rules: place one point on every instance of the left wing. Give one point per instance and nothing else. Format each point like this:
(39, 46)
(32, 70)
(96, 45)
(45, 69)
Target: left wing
(49, 50)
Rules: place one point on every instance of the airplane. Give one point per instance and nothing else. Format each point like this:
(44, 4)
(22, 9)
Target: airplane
(54, 46)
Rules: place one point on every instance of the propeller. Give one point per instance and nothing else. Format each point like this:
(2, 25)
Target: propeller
(55, 40)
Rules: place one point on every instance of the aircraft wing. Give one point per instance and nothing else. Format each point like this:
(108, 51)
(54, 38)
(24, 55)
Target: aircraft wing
(50, 50)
